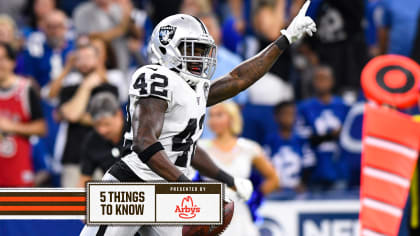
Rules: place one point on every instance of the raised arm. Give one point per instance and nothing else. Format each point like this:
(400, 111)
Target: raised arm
(147, 125)
(247, 73)
(254, 68)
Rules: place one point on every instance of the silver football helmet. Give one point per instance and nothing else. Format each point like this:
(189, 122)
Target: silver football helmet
(182, 43)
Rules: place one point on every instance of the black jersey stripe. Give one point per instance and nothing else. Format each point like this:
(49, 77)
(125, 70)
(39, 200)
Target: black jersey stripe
(101, 230)
(123, 173)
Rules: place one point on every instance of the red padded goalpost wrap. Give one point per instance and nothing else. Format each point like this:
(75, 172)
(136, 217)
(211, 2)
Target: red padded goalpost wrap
(391, 141)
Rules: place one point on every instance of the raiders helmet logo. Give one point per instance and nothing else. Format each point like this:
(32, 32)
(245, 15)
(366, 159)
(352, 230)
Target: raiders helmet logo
(166, 33)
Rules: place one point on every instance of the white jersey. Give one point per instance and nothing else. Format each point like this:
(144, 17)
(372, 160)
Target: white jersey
(183, 121)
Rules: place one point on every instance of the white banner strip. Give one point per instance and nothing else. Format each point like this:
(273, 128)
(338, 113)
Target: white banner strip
(391, 146)
(381, 206)
(386, 176)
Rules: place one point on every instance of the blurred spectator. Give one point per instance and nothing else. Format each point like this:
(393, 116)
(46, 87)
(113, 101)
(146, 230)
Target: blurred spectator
(20, 117)
(269, 17)
(237, 8)
(226, 60)
(74, 99)
(373, 18)
(237, 24)
(240, 11)
(196, 7)
(305, 60)
(398, 27)
(237, 156)
(320, 120)
(14, 9)
(44, 60)
(290, 154)
(140, 32)
(36, 11)
(135, 47)
(71, 77)
(115, 76)
(258, 110)
(109, 21)
(9, 32)
(69, 6)
(103, 146)
(340, 40)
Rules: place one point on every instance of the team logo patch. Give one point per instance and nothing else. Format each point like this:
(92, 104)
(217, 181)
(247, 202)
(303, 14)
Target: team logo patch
(8, 147)
(166, 33)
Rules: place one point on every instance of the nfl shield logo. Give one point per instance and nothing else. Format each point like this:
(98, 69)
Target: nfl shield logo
(166, 33)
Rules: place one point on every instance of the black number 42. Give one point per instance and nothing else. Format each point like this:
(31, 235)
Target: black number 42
(157, 88)
(183, 141)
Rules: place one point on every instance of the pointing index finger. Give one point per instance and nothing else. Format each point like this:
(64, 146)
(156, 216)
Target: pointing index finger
(304, 8)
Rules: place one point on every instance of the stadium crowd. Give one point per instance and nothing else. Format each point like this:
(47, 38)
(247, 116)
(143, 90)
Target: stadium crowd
(65, 68)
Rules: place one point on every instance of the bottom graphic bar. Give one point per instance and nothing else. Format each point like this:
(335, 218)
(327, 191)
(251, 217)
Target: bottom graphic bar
(154, 203)
(118, 203)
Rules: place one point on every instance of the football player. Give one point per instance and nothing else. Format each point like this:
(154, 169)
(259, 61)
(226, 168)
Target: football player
(167, 104)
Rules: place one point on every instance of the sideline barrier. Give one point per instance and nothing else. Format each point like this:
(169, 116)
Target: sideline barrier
(390, 145)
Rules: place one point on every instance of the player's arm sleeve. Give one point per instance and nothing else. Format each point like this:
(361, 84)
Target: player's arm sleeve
(35, 105)
(151, 83)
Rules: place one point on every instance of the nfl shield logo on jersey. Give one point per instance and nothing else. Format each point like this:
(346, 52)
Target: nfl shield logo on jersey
(166, 33)
(206, 89)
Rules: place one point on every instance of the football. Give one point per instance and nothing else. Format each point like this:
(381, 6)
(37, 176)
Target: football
(211, 230)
